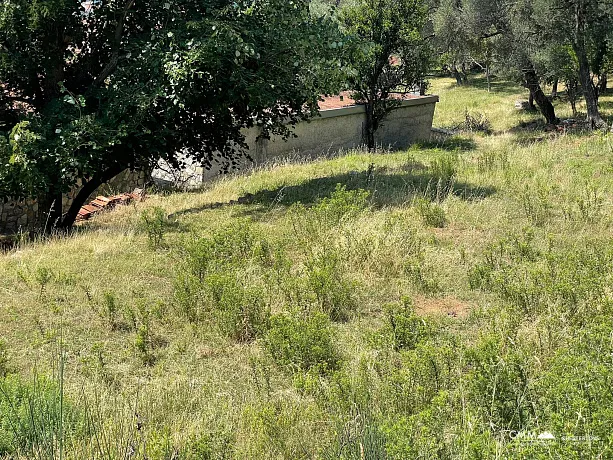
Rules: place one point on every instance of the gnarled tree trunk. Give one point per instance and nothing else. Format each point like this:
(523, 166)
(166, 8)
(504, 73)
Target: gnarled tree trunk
(531, 82)
(86, 190)
(589, 93)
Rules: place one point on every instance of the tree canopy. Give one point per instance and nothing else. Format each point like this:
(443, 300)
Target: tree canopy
(390, 57)
(89, 90)
(537, 41)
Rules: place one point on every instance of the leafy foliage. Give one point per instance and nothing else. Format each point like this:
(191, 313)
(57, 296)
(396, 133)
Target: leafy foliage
(390, 58)
(89, 91)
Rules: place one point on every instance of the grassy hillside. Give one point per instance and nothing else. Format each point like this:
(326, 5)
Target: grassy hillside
(450, 301)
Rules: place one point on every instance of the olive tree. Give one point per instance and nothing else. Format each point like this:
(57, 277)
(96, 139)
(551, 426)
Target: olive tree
(586, 27)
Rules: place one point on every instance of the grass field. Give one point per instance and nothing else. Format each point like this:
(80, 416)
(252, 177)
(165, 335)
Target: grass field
(450, 301)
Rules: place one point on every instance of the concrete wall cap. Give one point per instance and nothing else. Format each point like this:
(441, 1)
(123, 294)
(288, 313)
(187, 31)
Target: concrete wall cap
(354, 109)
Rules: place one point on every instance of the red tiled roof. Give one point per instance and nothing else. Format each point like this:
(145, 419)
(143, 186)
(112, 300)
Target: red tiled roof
(344, 99)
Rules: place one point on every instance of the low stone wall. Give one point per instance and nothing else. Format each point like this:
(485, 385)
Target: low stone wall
(342, 128)
(27, 215)
(334, 130)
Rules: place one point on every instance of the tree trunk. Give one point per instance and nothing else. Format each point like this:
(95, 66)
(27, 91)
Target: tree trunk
(531, 101)
(87, 189)
(456, 74)
(589, 92)
(571, 91)
(488, 78)
(554, 90)
(464, 73)
(370, 126)
(531, 82)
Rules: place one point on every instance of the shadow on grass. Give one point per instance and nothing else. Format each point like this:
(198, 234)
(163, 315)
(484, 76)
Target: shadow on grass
(388, 189)
(606, 108)
(449, 143)
(535, 131)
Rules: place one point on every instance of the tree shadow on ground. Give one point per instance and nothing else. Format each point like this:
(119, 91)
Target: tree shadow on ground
(449, 143)
(388, 188)
(605, 106)
(535, 131)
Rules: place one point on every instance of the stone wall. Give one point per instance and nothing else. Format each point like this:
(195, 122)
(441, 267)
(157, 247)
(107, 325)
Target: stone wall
(27, 215)
(334, 130)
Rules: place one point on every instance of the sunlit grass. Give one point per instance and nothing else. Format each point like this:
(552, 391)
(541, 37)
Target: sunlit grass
(53, 293)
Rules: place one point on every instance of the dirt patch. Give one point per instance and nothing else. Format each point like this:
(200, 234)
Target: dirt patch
(446, 306)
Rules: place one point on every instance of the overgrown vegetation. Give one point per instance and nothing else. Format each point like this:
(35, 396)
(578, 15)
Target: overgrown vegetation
(452, 301)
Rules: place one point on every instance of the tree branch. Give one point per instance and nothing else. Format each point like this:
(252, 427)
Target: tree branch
(112, 64)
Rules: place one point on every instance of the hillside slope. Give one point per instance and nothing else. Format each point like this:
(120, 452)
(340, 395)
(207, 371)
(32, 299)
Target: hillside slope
(450, 301)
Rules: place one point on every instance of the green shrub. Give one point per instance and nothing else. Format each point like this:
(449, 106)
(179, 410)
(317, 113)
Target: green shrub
(335, 293)
(421, 435)
(536, 202)
(418, 273)
(586, 205)
(36, 420)
(110, 309)
(154, 223)
(43, 276)
(444, 171)
(341, 204)
(143, 344)
(208, 446)
(302, 343)
(564, 276)
(499, 383)
(364, 441)
(406, 327)
(228, 247)
(240, 312)
(190, 297)
(432, 214)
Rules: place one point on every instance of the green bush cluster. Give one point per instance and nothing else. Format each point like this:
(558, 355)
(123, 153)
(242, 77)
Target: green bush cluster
(154, 222)
(302, 342)
(334, 292)
(432, 214)
(212, 283)
(444, 171)
(232, 276)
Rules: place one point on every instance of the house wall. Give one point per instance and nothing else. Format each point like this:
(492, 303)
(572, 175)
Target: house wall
(27, 215)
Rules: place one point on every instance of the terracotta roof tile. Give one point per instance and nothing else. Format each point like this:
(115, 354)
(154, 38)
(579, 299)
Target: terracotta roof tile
(344, 99)
(103, 202)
